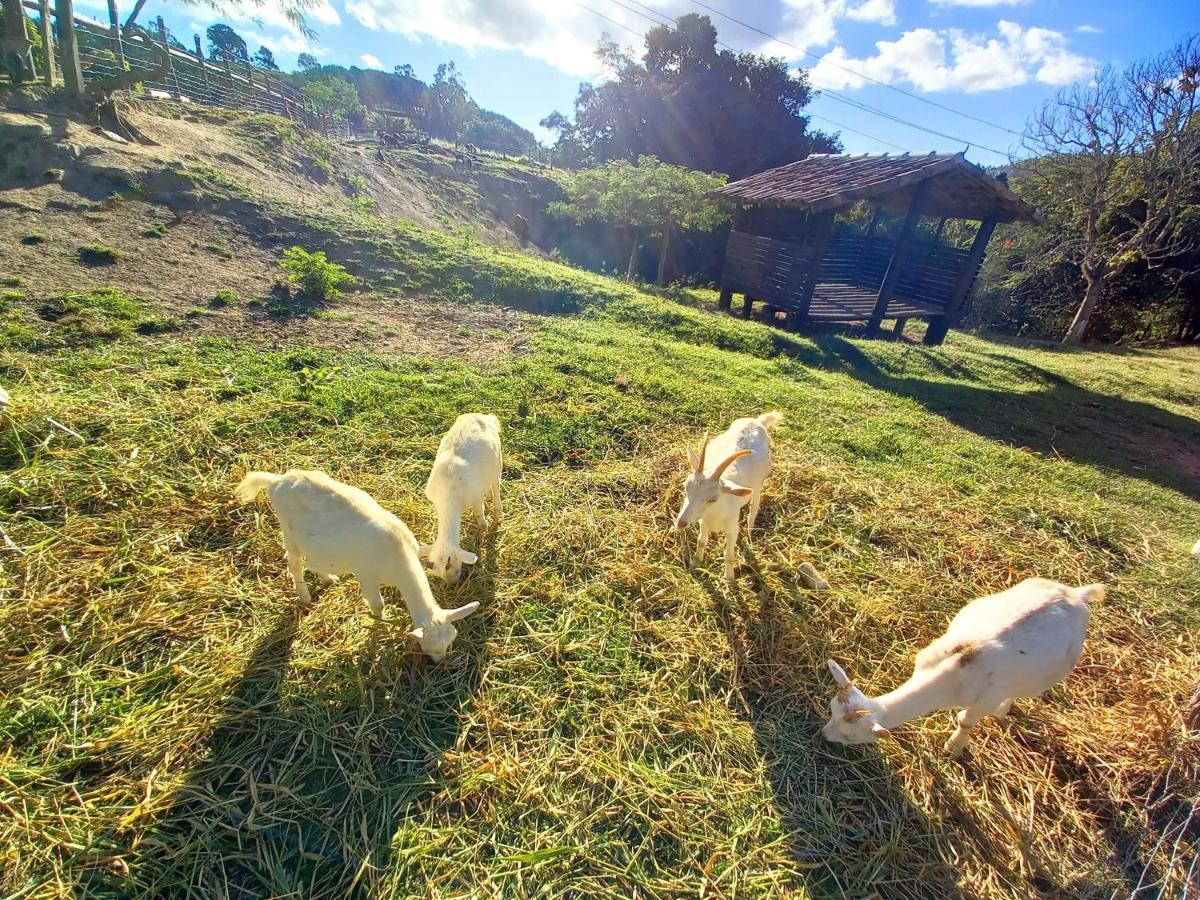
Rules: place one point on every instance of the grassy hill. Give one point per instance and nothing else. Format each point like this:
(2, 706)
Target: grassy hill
(612, 722)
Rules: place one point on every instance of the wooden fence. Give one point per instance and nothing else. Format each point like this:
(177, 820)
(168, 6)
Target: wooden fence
(105, 52)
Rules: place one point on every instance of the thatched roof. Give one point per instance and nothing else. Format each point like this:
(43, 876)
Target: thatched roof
(957, 190)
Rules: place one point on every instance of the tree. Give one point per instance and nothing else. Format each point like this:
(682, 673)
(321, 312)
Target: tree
(1117, 172)
(648, 198)
(225, 43)
(333, 97)
(404, 71)
(306, 62)
(689, 104)
(264, 59)
(448, 107)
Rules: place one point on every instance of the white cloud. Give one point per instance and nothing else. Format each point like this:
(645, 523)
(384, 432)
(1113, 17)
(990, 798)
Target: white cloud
(813, 23)
(1089, 29)
(556, 32)
(371, 60)
(980, 3)
(953, 60)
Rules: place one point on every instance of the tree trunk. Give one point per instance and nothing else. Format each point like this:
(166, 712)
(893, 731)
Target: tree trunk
(18, 48)
(663, 253)
(1091, 297)
(633, 252)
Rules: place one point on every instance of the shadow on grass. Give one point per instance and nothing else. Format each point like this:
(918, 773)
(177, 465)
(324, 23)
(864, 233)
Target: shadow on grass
(1138, 440)
(303, 787)
(847, 822)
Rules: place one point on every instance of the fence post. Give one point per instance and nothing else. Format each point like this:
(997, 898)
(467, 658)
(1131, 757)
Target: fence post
(162, 36)
(232, 99)
(118, 44)
(253, 101)
(203, 68)
(64, 14)
(47, 42)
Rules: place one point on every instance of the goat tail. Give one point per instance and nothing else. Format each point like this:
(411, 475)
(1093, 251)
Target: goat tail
(1092, 593)
(770, 419)
(253, 484)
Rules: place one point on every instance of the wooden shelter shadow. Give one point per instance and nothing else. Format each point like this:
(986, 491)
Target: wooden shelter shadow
(304, 785)
(1063, 420)
(842, 810)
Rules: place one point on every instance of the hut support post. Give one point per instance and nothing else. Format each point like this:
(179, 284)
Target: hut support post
(47, 41)
(940, 326)
(866, 252)
(898, 256)
(821, 229)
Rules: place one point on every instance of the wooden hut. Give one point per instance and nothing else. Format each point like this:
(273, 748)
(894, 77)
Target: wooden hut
(790, 250)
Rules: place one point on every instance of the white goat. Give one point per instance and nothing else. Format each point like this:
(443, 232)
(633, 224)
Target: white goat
(1018, 643)
(465, 472)
(1196, 550)
(4, 408)
(716, 500)
(331, 528)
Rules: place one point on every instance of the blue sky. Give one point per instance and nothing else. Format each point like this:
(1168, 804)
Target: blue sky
(996, 60)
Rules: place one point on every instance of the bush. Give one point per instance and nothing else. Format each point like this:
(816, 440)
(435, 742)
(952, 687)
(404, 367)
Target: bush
(223, 297)
(98, 255)
(33, 239)
(317, 278)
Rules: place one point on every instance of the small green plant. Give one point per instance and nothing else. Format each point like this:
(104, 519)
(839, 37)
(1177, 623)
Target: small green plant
(7, 298)
(12, 281)
(53, 174)
(33, 239)
(224, 297)
(360, 193)
(317, 278)
(197, 311)
(218, 250)
(159, 325)
(157, 230)
(98, 255)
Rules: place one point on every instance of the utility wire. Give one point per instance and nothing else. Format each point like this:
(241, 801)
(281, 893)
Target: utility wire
(855, 72)
(834, 95)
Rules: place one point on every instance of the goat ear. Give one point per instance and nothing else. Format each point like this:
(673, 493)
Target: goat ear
(417, 633)
(693, 459)
(855, 714)
(839, 674)
(467, 557)
(453, 615)
(423, 550)
(728, 487)
(879, 731)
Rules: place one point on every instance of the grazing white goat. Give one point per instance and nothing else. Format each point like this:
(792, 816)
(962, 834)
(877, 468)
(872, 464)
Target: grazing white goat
(465, 472)
(715, 496)
(331, 528)
(1018, 643)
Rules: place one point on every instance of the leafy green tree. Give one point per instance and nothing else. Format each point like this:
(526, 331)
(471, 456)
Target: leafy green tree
(265, 59)
(1115, 172)
(404, 71)
(649, 198)
(306, 62)
(332, 96)
(448, 107)
(690, 104)
(225, 43)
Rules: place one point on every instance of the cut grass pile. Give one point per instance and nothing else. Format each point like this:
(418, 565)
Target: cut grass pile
(611, 722)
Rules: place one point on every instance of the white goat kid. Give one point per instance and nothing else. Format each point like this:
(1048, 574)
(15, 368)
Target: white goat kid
(715, 498)
(1018, 643)
(331, 528)
(465, 472)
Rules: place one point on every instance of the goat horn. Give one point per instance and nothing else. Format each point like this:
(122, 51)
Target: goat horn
(720, 470)
(703, 450)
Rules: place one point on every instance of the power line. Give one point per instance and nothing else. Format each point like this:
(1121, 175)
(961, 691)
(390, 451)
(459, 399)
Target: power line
(855, 72)
(835, 95)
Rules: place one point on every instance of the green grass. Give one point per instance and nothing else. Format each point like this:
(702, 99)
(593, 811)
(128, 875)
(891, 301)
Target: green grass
(612, 722)
(98, 255)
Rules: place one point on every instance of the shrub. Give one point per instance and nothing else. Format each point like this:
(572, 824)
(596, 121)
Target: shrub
(53, 174)
(223, 297)
(7, 298)
(32, 239)
(157, 230)
(98, 255)
(317, 278)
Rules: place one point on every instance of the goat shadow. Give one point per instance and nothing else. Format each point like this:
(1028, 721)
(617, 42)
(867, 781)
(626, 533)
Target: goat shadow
(842, 810)
(302, 789)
